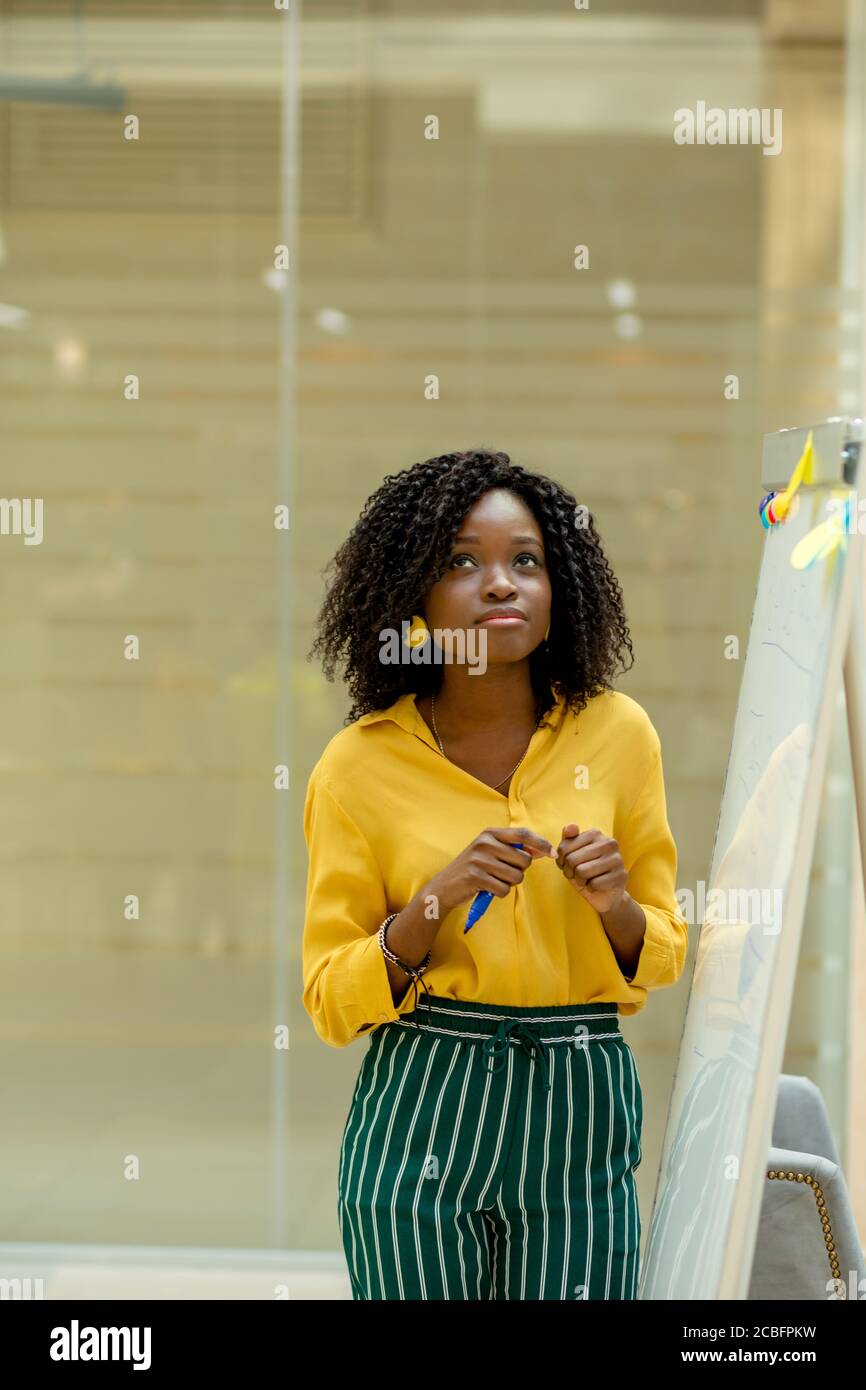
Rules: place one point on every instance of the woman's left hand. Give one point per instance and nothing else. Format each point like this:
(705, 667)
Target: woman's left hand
(593, 865)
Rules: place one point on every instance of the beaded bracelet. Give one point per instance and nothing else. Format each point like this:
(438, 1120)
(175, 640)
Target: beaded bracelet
(415, 971)
(409, 969)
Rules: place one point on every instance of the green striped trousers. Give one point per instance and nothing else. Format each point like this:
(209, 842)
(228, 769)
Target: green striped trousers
(490, 1152)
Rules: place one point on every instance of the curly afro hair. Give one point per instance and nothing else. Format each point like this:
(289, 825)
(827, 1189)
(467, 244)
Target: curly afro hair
(399, 548)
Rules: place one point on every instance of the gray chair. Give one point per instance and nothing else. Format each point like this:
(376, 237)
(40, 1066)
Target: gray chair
(807, 1235)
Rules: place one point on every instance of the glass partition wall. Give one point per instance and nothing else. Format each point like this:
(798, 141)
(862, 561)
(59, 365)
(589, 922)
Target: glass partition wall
(254, 260)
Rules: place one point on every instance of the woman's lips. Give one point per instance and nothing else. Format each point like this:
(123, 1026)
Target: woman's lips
(507, 620)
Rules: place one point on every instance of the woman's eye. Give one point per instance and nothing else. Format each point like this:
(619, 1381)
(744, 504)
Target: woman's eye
(464, 555)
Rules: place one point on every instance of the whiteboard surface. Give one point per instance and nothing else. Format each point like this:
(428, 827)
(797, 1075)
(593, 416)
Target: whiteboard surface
(749, 939)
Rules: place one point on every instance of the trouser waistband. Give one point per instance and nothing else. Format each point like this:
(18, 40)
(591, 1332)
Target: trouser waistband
(560, 1023)
(498, 1026)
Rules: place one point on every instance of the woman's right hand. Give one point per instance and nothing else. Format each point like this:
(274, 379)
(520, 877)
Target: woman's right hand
(491, 863)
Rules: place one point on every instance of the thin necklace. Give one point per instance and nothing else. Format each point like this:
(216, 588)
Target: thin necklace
(494, 785)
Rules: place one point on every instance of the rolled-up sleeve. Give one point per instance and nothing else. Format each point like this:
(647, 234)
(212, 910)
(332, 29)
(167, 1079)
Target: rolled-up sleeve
(650, 857)
(346, 983)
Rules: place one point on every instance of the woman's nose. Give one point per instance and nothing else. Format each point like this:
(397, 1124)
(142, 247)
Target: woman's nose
(498, 584)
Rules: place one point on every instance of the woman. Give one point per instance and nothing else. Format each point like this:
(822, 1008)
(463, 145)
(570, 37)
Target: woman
(494, 1131)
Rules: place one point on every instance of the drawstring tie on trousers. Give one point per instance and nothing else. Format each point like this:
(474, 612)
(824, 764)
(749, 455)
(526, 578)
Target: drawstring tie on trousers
(529, 1038)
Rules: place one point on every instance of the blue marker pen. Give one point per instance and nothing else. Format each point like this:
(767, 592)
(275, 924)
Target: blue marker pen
(480, 904)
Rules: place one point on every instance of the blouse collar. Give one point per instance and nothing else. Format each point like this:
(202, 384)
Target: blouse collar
(406, 714)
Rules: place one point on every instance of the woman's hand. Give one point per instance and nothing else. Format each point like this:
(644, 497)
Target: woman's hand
(490, 863)
(592, 863)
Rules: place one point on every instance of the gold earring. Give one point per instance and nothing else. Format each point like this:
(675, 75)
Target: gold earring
(418, 632)
(546, 633)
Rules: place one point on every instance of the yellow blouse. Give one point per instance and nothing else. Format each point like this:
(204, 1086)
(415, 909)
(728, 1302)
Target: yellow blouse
(385, 811)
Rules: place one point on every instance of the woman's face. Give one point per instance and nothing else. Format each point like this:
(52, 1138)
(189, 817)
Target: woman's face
(497, 561)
